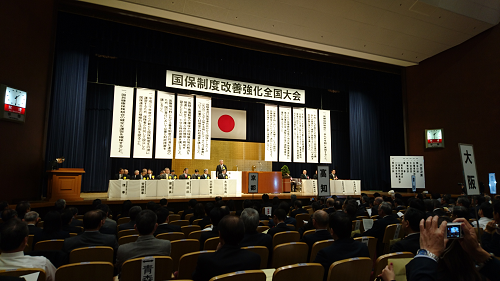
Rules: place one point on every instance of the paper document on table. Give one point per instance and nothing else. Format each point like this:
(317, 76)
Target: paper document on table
(31, 276)
(367, 224)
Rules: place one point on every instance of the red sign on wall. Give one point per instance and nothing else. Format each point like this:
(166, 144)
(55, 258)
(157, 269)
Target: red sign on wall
(15, 109)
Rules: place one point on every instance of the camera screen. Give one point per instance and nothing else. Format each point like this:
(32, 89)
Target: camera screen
(454, 231)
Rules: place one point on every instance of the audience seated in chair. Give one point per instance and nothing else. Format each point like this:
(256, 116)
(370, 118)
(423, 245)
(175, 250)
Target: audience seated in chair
(133, 212)
(411, 228)
(298, 209)
(491, 237)
(216, 214)
(109, 226)
(344, 247)
(163, 226)
(250, 218)
(228, 257)
(279, 219)
(146, 244)
(22, 208)
(309, 225)
(66, 219)
(75, 221)
(32, 218)
(385, 218)
(190, 210)
(52, 228)
(485, 214)
(320, 221)
(14, 235)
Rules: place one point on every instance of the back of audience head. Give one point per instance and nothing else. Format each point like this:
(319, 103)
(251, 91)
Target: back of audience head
(230, 205)
(192, 203)
(14, 235)
(436, 204)
(92, 220)
(247, 203)
(417, 204)
(412, 218)
(163, 202)
(22, 208)
(276, 200)
(73, 210)
(66, 217)
(329, 202)
(265, 198)
(446, 199)
(337, 205)
(486, 210)
(460, 212)
(280, 215)
(340, 225)
(31, 217)
(250, 218)
(60, 205)
(463, 201)
(127, 204)
(376, 194)
(96, 203)
(162, 215)
(134, 211)
(350, 210)
(8, 214)
(151, 205)
(104, 208)
(284, 206)
(419, 196)
(146, 222)
(52, 222)
(297, 204)
(365, 199)
(4, 205)
(385, 209)
(199, 210)
(428, 205)
(232, 230)
(320, 219)
(216, 215)
(316, 206)
(208, 207)
(399, 202)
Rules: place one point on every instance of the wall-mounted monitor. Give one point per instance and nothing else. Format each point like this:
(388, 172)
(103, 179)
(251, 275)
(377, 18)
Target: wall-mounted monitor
(14, 104)
(434, 138)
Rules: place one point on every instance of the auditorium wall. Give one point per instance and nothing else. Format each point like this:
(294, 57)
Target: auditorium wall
(457, 90)
(25, 63)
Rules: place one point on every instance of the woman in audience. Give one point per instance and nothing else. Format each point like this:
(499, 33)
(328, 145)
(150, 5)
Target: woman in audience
(52, 225)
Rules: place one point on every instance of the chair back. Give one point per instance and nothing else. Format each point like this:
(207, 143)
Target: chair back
(300, 218)
(95, 271)
(29, 247)
(187, 264)
(317, 247)
(393, 233)
(262, 228)
(307, 232)
(123, 220)
(247, 275)
(23, 271)
(127, 232)
(285, 237)
(73, 234)
(371, 242)
(290, 225)
(131, 269)
(211, 244)
(195, 235)
(172, 236)
(300, 271)
(40, 224)
(94, 253)
(173, 217)
(362, 217)
(262, 251)
(188, 216)
(355, 269)
(79, 217)
(127, 239)
(289, 253)
(264, 222)
(181, 212)
(358, 225)
(180, 222)
(189, 228)
(197, 221)
(49, 245)
(182, 247)
(381, 262)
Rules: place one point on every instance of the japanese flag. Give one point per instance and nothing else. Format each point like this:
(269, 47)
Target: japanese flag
(229, 124)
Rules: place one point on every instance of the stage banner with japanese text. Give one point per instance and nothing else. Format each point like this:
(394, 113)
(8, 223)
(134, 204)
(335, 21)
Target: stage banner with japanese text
(299, 135)
(285, 133)
(121, 132)
(203, 128)
(165, 126)
(184, 134)
(325, 137)
(144, 121)
(312, 135)
(271, 132)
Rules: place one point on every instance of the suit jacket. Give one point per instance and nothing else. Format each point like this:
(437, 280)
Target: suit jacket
(222, 176)
(128, 225)
(290, 220)
(117, 176)
(90, 238)
(315, 176)
(298, 211)
(332, 177)
(184, 176)
(280, 227)
(136, 177)
(410, 243)
(33, 230)
(205, 176)
(229, 258)
(218, 170)
(304, 177)
(330, 210)
(340, 249)
(378, 230)
(165, 227)
(146, 245)
(109, 227)
(491, 243)
(195, 176)
(205, 235)
(254, 238)
(319, 235)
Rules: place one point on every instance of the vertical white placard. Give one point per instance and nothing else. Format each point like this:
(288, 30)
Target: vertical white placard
(299, 135)
(148, 268)
(184, 134)
(165, 112)
(469, 167)
(325, 137)
(285, 133)
(121, 132)
(312, 135)
(271, 132)
(203, 128)
(144, 122)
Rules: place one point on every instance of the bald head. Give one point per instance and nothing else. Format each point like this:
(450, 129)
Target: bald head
(330, 202)
(378, 200)
(320, 219)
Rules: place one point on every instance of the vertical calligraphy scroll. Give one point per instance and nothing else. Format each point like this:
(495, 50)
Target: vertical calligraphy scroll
(312, 135)
(271, 132)
(184, 134)
(121, 132)
(165, 112)
(144, 122)
(285, 133)
(325, 137)
(299, 135)
(203, 128)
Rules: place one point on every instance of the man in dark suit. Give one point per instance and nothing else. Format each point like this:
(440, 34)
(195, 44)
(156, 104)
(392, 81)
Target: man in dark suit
(376, 202)
(320, 223)
(146, 244)
(190, 210)
(136, 175)
(206, 175)
(185, 174)
(222, 175)
(220, 167)
(119, 176)
(279, 219)
(250, 218)
(109, 226)
(66, 218)
(31, 218)
(298, 209)
(216, 214)
(74, 221)
(437, 211)
(344, 247)
(329, 204)
(92, 222)
(196, 175)
(385, 218)
(333, 175)
(315, 176)
(228, 257)
(304, 175)
(132, 213)
(411, 222)
(163, 226)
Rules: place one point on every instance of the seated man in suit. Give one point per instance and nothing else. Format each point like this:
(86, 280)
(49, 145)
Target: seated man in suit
(74, 221)
(344, 247)
(92, 222)
(146, 244)
(437, 210)
(32, 218)
(119, 176)
(14, 239)
(304, 175)
(136, 175)
(411, 222)
(109, 226)
(228, 257)
(132, 213)
(196, 175)
(162, 220)
(185, 174)
(320, 221)
(333, 175)
(22, 208)
(206, 175)
(215, 214)
(376, 203)
(167, 173)
(329, 204)
(66, 219)
(250, 218)
(298, 209)
(190, 210)
(279, 219)
(485, 215)
(162, 175)
(173, 176)
(223, 175)
(491, 236)
(378, 229)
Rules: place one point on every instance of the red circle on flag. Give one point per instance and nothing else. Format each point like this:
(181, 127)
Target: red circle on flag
(226, 123)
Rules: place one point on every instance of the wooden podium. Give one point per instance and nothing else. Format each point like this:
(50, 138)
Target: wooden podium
(65, 183)
(269, 182)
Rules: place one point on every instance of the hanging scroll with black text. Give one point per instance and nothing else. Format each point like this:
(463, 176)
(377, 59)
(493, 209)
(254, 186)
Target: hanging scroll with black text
(144, 121)
(165, 113)
(271, 132)
(184, 134)
(203, 128)
(299, 135)
(121, 132)
(285, 133)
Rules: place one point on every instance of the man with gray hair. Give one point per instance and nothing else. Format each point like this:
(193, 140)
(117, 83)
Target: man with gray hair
(250, 218)
(206, 175)
(376, 202)
(385, 218)
(60, 205)
(320, 220)
(31, 218)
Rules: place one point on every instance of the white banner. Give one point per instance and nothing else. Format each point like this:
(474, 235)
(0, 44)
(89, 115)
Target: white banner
(469, 167)
(325, 137)
(285, 133)
(121, 131)
(403, 168)
(144, 121)
(299, 135)
(312, 135)
(193, 82)
(271, 132)
(165, 113)
(183, 141)
(203, 128)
